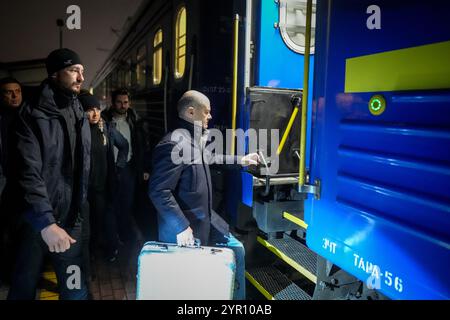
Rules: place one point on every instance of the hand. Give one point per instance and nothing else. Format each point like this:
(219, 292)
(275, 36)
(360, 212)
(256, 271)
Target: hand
(56, 238)
(186, 238)
(146, 176)
(250, 159)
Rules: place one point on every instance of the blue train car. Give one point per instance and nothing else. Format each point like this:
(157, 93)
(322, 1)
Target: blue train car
(381, 144)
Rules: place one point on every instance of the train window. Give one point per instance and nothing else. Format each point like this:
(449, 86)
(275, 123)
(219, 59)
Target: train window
(141, 65)
(292, 24)
(180, 43)
(157, 57)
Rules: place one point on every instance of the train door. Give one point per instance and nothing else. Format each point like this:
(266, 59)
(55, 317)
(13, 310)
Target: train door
(269, 207)
(381, 142)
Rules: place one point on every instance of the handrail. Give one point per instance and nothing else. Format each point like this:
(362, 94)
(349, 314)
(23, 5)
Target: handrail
(296, 102)
(302, 176)
(234, 88)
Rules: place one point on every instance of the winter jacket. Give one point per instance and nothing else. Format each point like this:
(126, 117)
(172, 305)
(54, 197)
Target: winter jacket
(53, 178)
(10, 197)
(181, 191)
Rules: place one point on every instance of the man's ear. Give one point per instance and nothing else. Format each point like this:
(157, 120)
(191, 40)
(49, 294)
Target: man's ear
(190, 112)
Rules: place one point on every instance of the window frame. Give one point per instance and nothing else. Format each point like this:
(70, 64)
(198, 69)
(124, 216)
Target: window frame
(283, 25)
(158, 48)
(177, 74)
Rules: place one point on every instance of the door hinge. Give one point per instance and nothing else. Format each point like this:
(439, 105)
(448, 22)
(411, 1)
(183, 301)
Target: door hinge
(311, 189)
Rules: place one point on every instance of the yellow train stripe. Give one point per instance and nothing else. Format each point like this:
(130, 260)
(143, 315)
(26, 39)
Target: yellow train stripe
(416, 68)
(288, 260)
(295, 220)
(258, 286)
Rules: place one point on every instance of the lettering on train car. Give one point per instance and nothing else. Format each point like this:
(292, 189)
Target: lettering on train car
(376, 273)
(329, 245)
(216, 89)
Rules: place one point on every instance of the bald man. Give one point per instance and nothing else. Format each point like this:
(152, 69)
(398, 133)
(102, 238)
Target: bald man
(182, 191)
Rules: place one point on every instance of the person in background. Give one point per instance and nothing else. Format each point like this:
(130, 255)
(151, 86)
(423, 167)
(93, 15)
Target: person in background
(124, 118)
(11, 103)
(103, 176)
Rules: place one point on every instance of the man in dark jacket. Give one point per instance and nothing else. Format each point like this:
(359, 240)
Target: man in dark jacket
(180, 185)
(10, 106)
(54, 148)
(11, 103)
(124, 119)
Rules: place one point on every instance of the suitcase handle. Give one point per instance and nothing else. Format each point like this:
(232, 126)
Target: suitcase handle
(196, 245)
(164, 247)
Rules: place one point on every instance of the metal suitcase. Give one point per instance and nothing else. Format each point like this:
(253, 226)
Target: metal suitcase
(169, 272)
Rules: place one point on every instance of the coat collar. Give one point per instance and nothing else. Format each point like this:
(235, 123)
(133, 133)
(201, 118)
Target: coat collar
(53, 98)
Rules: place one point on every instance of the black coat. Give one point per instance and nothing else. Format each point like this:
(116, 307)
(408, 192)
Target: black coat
(8, 123)
(2, 176)
(181, 191)
(47, 176)
(2, 171)
(10, 198)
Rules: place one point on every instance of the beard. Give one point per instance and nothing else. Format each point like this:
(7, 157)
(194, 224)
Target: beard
(74, 87)
(68, 85)
(121, 111)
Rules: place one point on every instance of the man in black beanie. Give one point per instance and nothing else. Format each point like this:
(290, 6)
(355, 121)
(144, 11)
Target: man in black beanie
(54, 143)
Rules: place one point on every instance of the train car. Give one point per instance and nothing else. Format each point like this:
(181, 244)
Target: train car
(353, 201)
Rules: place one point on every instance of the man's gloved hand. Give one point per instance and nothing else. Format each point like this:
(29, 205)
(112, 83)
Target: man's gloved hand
(186, 238)
(56, 238)
(250, 159)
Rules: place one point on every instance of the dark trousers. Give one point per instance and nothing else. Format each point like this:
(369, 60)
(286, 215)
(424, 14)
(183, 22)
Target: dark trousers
(124, 203)
(68, 266)
(9, 228)
(8, 248)
(4, 262)
(103, 224)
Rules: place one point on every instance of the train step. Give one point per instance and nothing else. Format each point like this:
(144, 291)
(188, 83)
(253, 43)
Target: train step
(297, 218)
(294, 253)
(274, 285)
